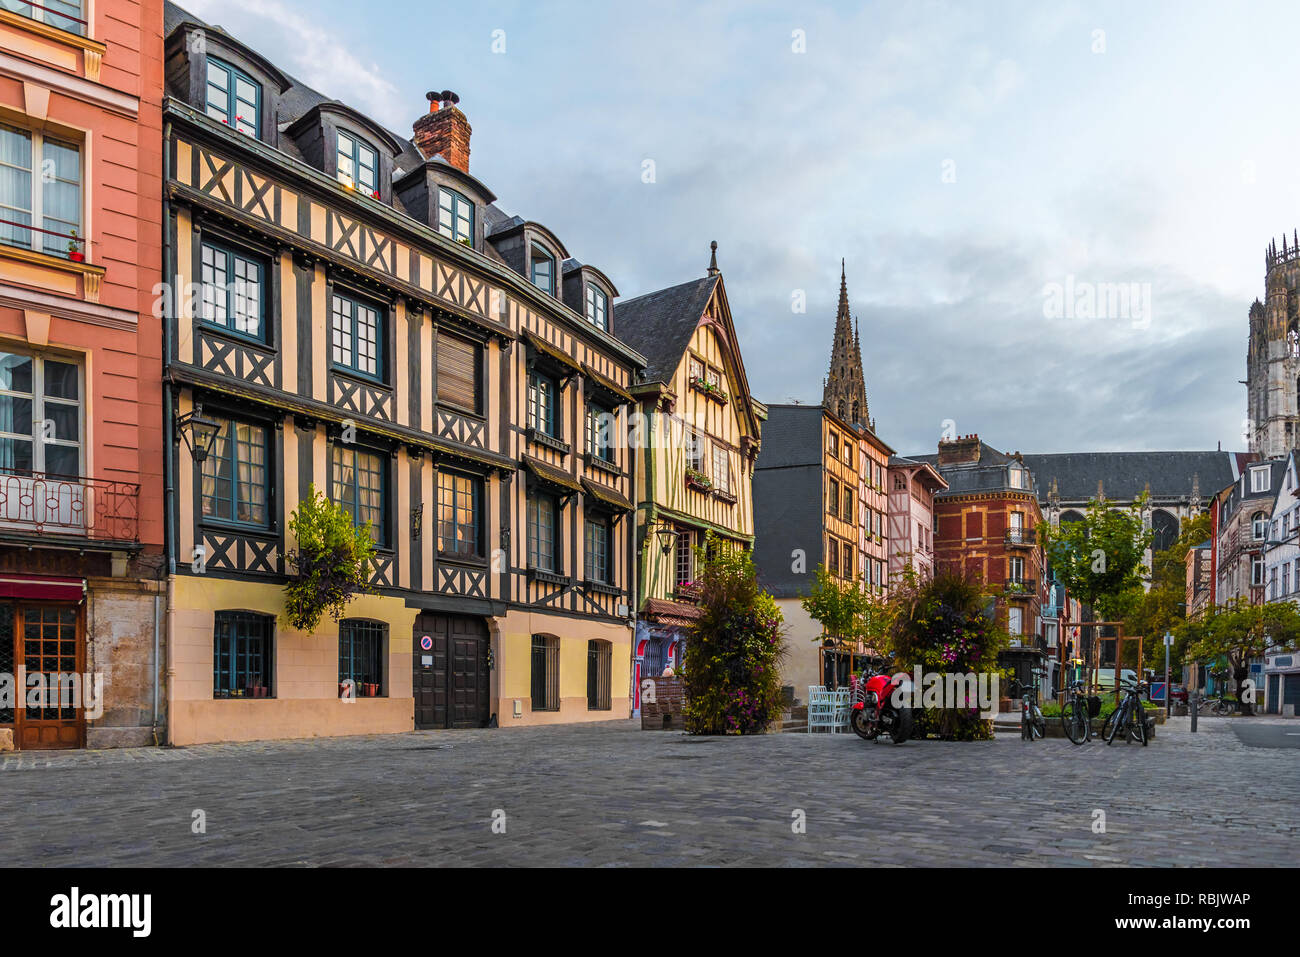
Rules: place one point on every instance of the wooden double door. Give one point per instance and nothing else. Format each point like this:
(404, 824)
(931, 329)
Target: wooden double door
(45, 639)
(450, 680)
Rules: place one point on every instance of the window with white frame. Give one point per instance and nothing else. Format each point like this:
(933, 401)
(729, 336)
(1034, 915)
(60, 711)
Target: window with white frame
(455, 216)
(721, 469)
(1015, 621)
(67, 15)
(597, 308)
(40, 193)
(1258, 526)
(1259, 480)
(1257, 571)
(358, 164)
(40, 416)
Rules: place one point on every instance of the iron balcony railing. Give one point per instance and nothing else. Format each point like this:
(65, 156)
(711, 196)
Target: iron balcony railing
(1022, 536)
(1020, 586)
(103, 510)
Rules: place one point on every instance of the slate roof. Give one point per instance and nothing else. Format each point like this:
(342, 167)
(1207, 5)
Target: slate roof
(792, 435)
(787, 516)
(1124, 475)
(300, 98)
(987, 475)
(659, 325)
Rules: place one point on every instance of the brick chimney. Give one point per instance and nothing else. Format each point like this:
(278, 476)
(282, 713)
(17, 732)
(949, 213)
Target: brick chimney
(444, 130)
(960, 451)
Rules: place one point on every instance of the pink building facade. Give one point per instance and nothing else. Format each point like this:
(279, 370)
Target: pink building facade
(912, 487)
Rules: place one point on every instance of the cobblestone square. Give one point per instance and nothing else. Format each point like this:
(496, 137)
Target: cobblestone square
(610, 795)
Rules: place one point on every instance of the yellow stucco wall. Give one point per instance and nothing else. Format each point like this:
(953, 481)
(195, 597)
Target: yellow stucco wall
(306, 702)
(513, 681)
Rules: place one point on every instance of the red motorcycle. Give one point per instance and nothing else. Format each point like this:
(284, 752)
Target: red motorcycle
(872, 710)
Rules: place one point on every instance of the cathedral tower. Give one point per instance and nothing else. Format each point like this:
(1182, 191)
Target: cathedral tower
(844, 391)
(1273, 355)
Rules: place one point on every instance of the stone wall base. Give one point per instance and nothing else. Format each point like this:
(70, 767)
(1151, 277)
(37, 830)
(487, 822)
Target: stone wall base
(101, 738)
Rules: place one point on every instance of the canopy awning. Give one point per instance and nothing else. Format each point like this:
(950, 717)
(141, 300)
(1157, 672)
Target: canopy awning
(42, 587)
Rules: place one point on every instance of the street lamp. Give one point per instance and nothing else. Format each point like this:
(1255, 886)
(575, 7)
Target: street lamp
(667, 535)
(198, 432)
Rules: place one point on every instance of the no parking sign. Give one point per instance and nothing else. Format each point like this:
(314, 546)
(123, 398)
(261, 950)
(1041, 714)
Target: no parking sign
(426, 643)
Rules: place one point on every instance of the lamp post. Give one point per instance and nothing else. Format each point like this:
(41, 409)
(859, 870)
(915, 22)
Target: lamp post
(1169, 697)
(198, 432)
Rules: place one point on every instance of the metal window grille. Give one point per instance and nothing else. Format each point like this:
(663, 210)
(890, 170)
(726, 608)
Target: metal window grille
(242, 655)
(546, 673)
(361, 656)
(599, 667)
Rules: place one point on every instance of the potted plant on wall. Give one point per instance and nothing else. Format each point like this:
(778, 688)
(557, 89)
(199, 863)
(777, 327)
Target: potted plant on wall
(331, 561)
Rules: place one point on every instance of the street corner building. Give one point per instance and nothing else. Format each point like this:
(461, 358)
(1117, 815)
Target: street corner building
(81, 546)
(354, 312)
(700, 430)
(821, 499)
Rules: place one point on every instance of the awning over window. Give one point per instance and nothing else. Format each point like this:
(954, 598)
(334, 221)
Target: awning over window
(42, 587)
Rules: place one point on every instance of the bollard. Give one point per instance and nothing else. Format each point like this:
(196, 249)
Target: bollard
(1193, 701)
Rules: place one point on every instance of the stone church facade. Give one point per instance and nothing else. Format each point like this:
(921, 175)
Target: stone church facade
(1272, 425)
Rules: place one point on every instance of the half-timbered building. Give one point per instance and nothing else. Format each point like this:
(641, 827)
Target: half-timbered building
(352, 312)
(698, 433)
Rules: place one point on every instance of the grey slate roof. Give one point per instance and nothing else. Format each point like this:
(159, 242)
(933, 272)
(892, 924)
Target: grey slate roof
(1124, 475)
(787, 516)
(792, 435)
(987, 475)
(659, 325)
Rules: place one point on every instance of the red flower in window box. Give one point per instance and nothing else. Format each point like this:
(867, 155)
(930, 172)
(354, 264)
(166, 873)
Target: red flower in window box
(375, 194)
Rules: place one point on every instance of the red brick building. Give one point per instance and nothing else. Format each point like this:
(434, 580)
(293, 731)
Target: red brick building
(987, 522)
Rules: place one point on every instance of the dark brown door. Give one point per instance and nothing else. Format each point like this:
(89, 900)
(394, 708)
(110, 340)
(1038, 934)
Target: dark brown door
(450, 679)
(45, 640)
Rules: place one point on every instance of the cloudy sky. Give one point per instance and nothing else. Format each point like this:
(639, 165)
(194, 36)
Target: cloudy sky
(965, 159)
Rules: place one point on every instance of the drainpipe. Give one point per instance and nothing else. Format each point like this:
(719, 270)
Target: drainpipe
(169, 490)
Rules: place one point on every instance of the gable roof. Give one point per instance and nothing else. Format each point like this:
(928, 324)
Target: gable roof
(792, 435)
(659, 325)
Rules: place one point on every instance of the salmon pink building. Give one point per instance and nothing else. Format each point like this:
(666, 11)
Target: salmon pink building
(80, 373)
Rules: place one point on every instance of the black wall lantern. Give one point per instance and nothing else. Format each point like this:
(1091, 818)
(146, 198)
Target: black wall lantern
(198, 432)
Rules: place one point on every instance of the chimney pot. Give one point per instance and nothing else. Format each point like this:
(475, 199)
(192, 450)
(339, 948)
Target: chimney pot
(443, 130)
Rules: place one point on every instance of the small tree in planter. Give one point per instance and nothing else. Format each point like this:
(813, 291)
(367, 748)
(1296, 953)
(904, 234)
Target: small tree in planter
(846, 611)
(331, 560)
(1240, 632)
(731, 664)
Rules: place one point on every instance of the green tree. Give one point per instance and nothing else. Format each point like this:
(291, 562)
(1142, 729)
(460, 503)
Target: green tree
(846, 610)
(1239, 632)
(1163, 607)
(1099, 559)
(331, 560)
(732, 660)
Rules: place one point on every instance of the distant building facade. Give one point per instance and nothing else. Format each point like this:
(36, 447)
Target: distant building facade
(910, 533)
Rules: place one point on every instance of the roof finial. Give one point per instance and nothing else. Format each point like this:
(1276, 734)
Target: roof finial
(713, 258)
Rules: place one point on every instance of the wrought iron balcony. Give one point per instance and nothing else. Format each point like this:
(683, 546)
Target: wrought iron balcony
(101, 510)
(1022, 536)
(1020, 587)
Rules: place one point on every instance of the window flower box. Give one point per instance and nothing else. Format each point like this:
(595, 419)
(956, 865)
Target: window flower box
(698, 480)
(710, 390)
(687, 591)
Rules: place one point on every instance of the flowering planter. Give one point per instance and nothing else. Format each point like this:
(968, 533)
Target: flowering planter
(77, 256)
(699, 483)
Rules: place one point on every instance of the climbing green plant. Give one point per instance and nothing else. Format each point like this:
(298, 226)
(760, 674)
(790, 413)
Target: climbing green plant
(331, 561)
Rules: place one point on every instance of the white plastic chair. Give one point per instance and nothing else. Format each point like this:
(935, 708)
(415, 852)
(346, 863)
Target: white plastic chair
(840, 702)
(821, 709)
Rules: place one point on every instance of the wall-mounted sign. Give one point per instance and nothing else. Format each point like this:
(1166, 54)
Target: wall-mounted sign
(426, 643)
(426, 660)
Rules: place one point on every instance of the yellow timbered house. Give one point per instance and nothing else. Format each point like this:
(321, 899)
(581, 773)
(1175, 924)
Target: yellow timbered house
(698, 434)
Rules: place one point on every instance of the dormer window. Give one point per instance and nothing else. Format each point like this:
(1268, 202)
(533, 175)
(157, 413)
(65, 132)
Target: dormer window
(358, 164)
(543, 270)
(1259, 480)
(597, 307)
(455, 216)
(233, 97)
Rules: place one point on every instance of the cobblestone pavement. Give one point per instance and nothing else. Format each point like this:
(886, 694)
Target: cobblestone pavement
(612, 795)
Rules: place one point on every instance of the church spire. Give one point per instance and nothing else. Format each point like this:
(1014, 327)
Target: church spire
(844, 390)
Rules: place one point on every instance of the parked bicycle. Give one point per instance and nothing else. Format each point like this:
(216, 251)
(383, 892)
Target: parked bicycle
(1078, 712)
(1220, 704)
(1129, 719)
(1032, 721)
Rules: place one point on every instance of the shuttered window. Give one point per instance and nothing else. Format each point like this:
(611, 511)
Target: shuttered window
(458, 372)
(546, 673)
(600, 657)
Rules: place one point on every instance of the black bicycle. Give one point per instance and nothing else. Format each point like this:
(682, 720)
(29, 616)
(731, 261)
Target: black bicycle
(1077, 714)
(1032, 721)
(1129, 719)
